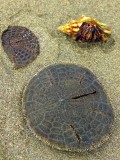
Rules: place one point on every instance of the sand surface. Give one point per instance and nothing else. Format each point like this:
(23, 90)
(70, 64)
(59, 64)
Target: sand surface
(43, 17)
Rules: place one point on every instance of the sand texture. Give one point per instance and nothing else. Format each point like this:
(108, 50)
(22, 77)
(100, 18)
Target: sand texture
(43, 17)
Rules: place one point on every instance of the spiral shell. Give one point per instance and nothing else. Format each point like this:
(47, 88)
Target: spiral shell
(86, 29)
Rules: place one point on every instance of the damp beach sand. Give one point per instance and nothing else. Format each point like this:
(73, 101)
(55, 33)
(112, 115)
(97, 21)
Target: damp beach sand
(43, 19)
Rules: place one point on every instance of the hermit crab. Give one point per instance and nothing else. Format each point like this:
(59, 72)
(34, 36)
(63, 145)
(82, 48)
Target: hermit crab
(86, 29)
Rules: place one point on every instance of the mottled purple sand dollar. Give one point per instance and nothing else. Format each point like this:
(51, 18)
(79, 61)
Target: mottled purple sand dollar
(20, 44)
(67, 108)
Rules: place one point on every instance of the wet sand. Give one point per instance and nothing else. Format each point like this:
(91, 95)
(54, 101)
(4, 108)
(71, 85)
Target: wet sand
(43, 18)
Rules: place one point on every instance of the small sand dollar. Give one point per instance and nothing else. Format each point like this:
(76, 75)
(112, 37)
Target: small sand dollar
(20, 44)
(67, 108)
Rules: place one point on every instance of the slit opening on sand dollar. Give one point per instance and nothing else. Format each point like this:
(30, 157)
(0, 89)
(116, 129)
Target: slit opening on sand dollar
(84, 95)
(76, 134)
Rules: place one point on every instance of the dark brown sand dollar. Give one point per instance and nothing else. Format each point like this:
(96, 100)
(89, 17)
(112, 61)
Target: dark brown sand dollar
(67, 108)
(20, 44)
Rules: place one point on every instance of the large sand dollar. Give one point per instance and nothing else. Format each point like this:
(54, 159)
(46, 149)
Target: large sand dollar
(67, 108)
